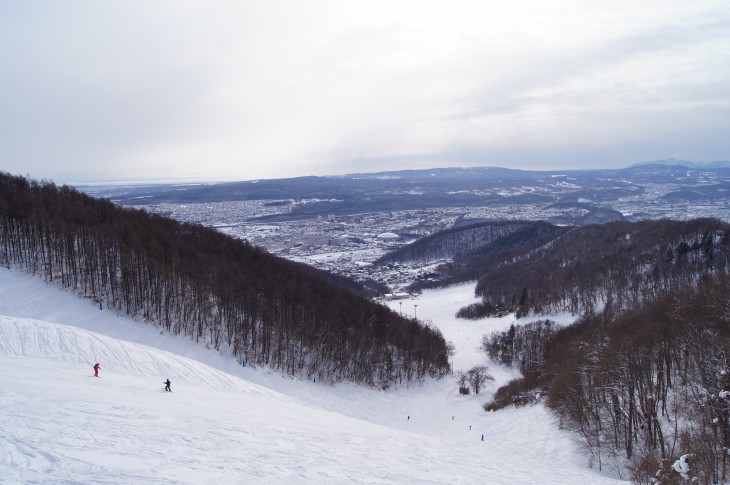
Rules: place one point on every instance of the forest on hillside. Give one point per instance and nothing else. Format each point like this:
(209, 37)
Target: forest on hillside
(451, 242)
(539, 268)
(639, 388)
(581, 268)
(470, 250)
(194, 281)
(643, 376)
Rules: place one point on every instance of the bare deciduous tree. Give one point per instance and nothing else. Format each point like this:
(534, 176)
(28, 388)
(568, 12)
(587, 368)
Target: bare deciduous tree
(477, 377)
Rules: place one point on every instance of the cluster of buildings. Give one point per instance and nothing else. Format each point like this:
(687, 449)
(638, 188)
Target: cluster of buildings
(350, 244)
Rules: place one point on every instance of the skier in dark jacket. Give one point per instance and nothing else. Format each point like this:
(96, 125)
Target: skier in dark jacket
(96, 369)
(167, 385)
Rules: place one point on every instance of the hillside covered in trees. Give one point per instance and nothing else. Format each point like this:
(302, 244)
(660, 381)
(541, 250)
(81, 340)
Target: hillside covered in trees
(643, 376)
(623, 263)
(468, 251)
(197, 282)
(539, 268)
(640, 388)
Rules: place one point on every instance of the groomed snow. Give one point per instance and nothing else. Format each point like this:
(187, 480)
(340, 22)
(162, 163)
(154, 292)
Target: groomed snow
(228, 424)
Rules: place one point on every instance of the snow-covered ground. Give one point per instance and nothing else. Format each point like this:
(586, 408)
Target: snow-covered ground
(228, 424)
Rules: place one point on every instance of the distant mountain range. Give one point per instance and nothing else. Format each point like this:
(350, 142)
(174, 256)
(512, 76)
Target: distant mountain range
(659, 189)
(687, 163)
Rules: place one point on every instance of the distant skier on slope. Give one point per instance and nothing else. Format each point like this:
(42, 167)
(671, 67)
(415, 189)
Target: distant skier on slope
(167, 385)
(96, 369)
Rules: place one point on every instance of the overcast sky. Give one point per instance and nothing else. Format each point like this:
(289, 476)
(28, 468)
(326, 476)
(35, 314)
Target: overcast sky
(216, 90)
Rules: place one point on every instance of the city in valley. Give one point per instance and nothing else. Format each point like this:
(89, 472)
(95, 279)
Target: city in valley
(344, 224)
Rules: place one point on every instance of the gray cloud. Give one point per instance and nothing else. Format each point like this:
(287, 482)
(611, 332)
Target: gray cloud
(240, 90)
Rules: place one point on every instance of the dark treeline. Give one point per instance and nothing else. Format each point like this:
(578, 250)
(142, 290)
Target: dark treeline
(447, 244)
(471, 250)
(522, 346)
(621, 262)
(645, 386)
(197, 282)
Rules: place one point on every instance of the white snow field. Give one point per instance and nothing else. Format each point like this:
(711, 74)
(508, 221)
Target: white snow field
(228, 424)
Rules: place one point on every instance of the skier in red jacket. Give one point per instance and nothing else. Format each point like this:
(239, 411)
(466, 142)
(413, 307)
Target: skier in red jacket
(96, 369)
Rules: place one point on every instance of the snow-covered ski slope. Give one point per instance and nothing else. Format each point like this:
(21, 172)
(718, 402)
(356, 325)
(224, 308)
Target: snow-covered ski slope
(228, 424)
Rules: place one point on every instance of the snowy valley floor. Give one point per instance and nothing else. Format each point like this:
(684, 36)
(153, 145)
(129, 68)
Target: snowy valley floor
(228, 424)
